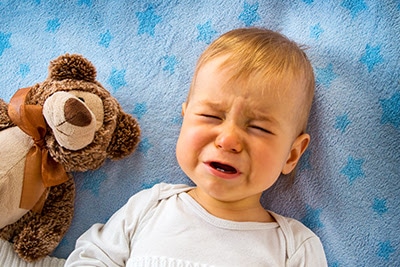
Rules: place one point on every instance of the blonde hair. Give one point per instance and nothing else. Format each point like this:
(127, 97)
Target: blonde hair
(264, 58)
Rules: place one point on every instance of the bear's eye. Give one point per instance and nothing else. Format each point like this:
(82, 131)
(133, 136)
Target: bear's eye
(81, 99)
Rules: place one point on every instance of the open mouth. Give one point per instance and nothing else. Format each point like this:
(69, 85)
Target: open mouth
(223, 168)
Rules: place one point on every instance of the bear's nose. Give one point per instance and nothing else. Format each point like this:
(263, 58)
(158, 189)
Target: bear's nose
(76, 113)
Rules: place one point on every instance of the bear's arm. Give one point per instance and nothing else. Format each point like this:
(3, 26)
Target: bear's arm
(5, 121)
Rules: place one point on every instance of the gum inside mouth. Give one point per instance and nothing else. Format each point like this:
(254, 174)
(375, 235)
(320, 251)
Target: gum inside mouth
(223, 168)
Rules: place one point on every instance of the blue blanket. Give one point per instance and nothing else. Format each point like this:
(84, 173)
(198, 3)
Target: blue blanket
(348, 185)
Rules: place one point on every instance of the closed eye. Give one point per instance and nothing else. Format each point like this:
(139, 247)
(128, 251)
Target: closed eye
(260, 129)
(210, 116)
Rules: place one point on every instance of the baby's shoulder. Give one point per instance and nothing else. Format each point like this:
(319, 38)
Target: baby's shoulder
(304, 248)
(296, 233)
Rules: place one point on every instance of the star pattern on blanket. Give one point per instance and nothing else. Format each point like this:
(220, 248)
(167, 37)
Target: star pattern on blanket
(312, 218)
(372, 56)
(379, 206)
(53, 25)
(206, 32)
(249, 14)
(353, 169)
(93, 181)
(326, 75)
(316, 31)
(385, 250)
(4, 41)
(391, 110)
(105, 39)
(170, 63)
(140, 109)
(354, 6)
(177, 120)
(342, 122)
(144, 145)
(354, 54)
(24, 70)
(148, 20)
(117, 79)
(85, 2)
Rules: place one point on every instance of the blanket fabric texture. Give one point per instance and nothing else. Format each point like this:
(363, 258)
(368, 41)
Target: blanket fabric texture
(348, 183)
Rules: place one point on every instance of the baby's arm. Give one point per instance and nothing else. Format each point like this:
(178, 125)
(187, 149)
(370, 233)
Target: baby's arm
(109, 244)
(103, 245)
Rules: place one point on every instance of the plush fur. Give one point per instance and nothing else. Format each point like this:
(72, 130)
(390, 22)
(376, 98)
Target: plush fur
(35, 235)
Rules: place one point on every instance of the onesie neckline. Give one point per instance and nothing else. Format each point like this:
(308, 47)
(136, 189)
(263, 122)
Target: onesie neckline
(223, 223)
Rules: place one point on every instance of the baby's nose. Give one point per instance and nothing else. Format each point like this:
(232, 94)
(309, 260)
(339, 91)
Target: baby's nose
(229, 140)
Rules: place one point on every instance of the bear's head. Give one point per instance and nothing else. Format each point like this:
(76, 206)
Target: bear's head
(86, 124)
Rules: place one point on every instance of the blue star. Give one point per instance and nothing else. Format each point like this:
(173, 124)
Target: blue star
(379, 206)
(144, 145)
(325, 76)
(391, 110)
(249, 14)
(206, 32)
(308, 2)
(342, 122)
(354, 6)
(177, 120)
(105, 39)
(372, 56)
(353, 169)
(385, 249)
(94, 181)
(53, 25)
(170, 63)
(24, 70)
(4, 41)
(117, 79)
(85, 2)
(148, 21)
(140, 109)
(312, 218)
(316, 31)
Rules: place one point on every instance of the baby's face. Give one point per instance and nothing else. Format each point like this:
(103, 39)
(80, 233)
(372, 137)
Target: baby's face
(235, 141)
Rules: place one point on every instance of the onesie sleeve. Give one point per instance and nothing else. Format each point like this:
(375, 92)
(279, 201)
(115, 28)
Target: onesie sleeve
(304, 248)
(309, 254)
(109, 244)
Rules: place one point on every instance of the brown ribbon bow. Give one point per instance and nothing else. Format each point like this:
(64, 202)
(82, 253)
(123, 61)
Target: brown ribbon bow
(41, 170)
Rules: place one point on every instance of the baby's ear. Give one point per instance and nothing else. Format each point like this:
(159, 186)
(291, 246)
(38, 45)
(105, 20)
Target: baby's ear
(298, 148)
(126, 137)
(184, 105)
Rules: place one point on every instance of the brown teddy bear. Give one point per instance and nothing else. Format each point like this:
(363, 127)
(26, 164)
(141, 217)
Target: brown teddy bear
(67, 123)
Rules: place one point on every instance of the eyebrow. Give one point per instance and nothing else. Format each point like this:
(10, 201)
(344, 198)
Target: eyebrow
(214, 105)
(261, 116)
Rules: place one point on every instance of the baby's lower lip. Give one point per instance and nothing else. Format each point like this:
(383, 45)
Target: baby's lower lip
(220, 173)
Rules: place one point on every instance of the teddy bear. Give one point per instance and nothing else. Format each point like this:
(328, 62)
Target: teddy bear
(67, 123)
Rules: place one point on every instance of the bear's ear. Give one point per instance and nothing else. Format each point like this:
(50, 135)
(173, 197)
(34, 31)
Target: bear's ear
(72, 67)
(126, 137)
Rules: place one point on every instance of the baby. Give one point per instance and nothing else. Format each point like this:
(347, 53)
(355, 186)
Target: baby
(244, 124)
